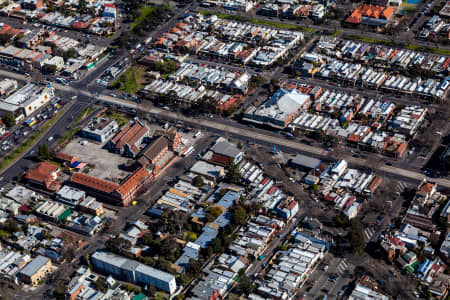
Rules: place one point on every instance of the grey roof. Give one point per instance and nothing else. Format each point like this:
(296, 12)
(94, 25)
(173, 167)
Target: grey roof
(34, 266)
(305, 161)
(226, 148)
(132, 265)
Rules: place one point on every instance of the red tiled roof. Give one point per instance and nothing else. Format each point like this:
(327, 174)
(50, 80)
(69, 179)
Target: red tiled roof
(370, 11)
(131, 182)
(65, 157)
(94, 183)
(426, 187)
(43, 173)
(221, 159)
(129, 134)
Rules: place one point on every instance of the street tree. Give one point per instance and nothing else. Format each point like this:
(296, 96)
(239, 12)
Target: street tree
(9, 120)
(357, 241)
(44, 152)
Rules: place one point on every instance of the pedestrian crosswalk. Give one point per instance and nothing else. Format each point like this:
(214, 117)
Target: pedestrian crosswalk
(400, 186)
(368, 233)
(341, 268)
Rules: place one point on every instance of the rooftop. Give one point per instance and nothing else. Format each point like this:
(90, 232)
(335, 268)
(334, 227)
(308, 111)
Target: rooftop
(34, 265)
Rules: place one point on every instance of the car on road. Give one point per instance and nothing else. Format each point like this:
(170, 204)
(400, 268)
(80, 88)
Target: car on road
(50, 138)
(332, 278)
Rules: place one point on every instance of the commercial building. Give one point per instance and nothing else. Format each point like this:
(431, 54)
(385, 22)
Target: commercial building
(224, 153)
(7, 86)
(70, 196)
(130, 139)
(26, 100)
(53, 211)
(36, 270)
(280, 110)
(372, 15)
(208, 171)
(44, 175)
(108, 191)
(100, 129)
(91, 206)
(367, 288)
(305, 163)
(133, 271)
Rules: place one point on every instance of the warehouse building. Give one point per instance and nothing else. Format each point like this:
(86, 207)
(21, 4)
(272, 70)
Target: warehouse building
(36, 270)
(280, 110)
(133, 271)
(305, 163)
(26, 100)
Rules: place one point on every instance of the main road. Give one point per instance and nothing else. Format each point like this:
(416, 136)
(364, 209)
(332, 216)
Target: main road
(249, 134)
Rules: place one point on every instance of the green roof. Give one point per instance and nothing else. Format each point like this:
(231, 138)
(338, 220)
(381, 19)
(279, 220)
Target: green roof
(409, 269)
(139, 297)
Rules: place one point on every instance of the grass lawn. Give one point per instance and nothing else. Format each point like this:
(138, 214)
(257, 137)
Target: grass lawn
(370, 40)
(120, 118)
(144, 12)
(131, 81)
(86, 112)
(428, 49)
(69, 135)
(394, 44)
(408, 8)
(161, 295)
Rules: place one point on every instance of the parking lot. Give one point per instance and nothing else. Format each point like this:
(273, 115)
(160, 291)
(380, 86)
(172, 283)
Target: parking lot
(104, 163)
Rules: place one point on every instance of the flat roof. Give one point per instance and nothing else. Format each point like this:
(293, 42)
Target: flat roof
(306, 161)
(125, 263)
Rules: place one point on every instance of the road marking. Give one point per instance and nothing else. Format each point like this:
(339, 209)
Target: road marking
(368, 233)
(341, 268)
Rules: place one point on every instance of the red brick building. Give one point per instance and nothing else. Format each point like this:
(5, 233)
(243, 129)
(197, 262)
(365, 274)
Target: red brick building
(45, 175)
(119, 194)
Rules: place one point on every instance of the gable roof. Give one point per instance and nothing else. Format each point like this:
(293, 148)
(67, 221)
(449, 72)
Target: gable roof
(129, 134)
(132, 181)
(155, 148)
(226, 149)
(94, 183)
(44, 174)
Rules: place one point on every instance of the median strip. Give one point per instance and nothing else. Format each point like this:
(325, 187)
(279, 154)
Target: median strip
(414, 47)
(258, 21)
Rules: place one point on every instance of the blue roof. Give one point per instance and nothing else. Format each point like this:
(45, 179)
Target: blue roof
(75, 164)
(223, 220)
(206, 237)
(229, 199)
(424, 266)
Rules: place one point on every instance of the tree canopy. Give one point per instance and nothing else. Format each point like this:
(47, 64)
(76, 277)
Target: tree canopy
(238, 215)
